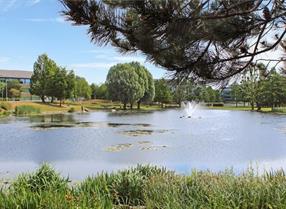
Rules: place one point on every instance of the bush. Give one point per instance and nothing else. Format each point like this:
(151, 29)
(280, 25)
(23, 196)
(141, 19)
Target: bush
(71, 110)
(26, 110)
(218, 104)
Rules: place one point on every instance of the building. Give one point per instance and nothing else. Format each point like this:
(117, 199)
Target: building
(226, 95)
(24, 77)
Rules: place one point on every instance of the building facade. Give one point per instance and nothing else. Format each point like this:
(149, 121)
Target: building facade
(24, 78)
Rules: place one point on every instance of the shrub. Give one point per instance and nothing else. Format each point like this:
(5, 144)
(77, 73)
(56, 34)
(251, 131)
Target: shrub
(218, 104)
(71, 110)
(26, 110)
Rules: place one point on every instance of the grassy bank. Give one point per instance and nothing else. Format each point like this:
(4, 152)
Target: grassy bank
(146, 187)
(241, 108)
(29, 108)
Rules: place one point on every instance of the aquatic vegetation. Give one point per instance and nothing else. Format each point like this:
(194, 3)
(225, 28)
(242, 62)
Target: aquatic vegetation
(154, 147)
(114, 125)
(52, 125)
(118, 147)
(142, 132)
(144, 142)
(147, 187)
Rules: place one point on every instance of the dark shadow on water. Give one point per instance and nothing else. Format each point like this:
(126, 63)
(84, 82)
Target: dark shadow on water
(114, 125)
(142, 132)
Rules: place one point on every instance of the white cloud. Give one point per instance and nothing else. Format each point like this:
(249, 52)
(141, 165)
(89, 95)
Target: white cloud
(40, 20)
(34, 2)
(7, 5)
(129, 59)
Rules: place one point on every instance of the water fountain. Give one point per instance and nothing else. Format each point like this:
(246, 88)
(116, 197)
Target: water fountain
(189, 108)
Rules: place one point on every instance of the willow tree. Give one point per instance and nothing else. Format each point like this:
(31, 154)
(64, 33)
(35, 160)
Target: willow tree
(209, 40)
(146, 81)
(124, 84)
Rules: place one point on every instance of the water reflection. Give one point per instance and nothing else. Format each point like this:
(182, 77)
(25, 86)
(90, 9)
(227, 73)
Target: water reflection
(103, 141)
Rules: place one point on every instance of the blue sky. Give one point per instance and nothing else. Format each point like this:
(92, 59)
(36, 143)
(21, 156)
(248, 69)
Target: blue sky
(32, 27)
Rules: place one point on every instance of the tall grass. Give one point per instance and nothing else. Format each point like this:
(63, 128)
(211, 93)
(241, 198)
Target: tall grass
(5, 108)
(26, 110)
(147, 187)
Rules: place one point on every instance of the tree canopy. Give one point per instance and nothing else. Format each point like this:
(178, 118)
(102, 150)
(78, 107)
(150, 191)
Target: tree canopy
(130, 83)
(209, 40)
(50, 80)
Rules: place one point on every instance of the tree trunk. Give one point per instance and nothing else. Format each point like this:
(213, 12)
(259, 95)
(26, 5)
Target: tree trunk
(258, 107)
(235, 103)
(60, 102)
(138, 105)
(43, 99)
(124, 106)
(252, 106)
(52, 101)
(131, 106)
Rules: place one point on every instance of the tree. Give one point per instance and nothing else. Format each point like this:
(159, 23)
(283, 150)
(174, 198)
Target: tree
(146, 82)
(204, 39)
(236, 93)
(124, 84)
(99, 91)
(2, 89)
(93, 88)
(14, 89)
(44, 72)
(162, 91)
(64, 83)
(273, 91)
(183, 91)
(82, 88)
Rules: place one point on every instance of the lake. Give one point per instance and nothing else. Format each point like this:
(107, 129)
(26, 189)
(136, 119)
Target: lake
(79, 145)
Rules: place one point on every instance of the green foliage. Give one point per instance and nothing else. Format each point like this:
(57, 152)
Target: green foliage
(82, 88)
(146, 81)
(147, 187)
(124, 84)
(71, 110)
(14, 89)
(204, 39)
(261, 88)
(26, 110)
(162, 91)
(64, 84)
(50, 80)
(99, 91)
(42, 78)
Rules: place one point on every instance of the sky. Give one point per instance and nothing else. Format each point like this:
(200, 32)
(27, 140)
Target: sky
(30, 28)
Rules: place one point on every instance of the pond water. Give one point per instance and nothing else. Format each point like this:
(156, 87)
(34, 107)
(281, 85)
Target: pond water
(79, 145)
